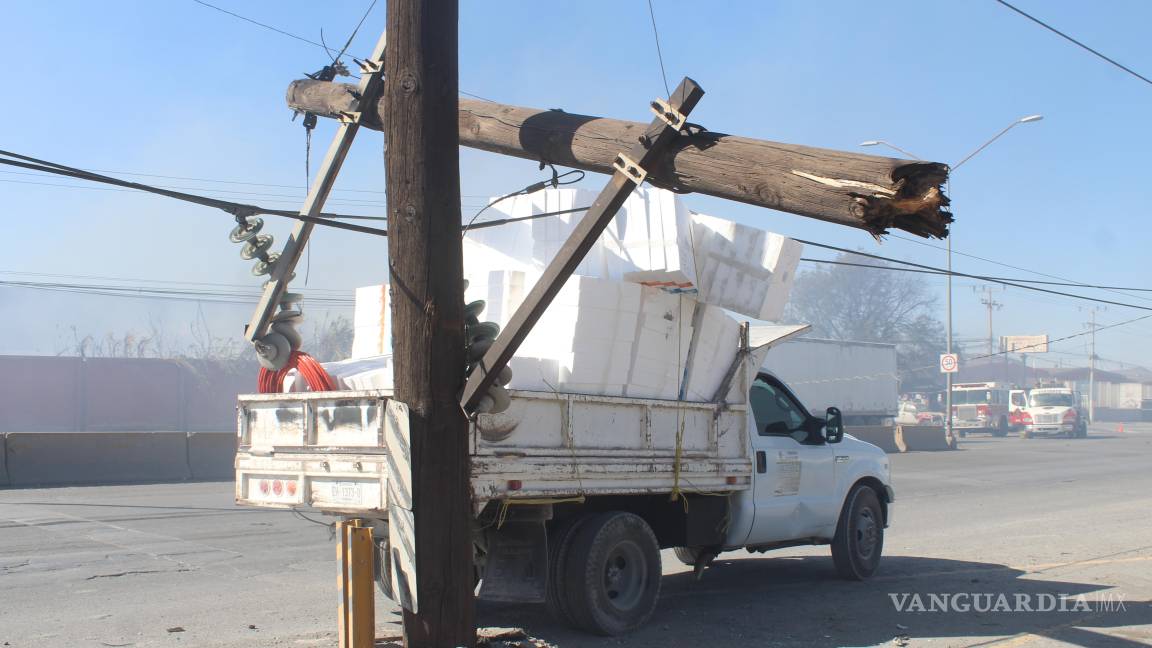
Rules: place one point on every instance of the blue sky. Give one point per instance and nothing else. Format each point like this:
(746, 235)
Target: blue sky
(175, 88)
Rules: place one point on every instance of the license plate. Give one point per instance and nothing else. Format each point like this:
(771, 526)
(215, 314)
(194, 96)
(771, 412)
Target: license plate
(347, 493)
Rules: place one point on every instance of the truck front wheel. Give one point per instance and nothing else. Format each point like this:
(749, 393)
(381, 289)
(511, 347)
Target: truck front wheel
(612, 574)
(687, 555)
(859, 538)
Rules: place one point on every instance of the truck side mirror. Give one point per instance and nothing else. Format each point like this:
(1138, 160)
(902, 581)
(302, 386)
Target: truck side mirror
(834, 426)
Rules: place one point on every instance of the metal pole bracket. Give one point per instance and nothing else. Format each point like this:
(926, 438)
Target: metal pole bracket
(668, 114)
(629, 168)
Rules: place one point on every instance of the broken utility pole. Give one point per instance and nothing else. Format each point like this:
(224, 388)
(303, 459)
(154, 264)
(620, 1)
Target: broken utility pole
(864, 191)
(426, 277)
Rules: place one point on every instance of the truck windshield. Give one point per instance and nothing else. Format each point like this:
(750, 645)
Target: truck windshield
(971, 397)
(1052, 399)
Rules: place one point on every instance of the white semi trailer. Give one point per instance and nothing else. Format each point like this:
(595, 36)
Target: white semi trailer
(575, 495)
(859, 378)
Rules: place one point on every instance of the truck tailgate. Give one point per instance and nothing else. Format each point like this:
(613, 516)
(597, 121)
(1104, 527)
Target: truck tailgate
(322, 450)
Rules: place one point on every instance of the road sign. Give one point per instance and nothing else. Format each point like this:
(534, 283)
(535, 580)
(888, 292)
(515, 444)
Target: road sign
(949, 363)
(1024, 343)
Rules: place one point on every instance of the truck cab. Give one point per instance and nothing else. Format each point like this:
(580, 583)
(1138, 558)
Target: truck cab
(1053, 411)
(1017, 403)
(809, 479)
(980, 407)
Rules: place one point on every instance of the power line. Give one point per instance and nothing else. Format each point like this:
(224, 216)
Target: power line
(232, 182)
(154, 293)
(139, 280)
(659, 54)
(971, 276)
(945, 273)
(1007, 265)
(309, 41)
(1073, 40)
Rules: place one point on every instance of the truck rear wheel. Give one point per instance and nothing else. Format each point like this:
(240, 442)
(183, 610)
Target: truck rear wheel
(859, 538)
(1001, 428)
(559, 547)
(612, 573)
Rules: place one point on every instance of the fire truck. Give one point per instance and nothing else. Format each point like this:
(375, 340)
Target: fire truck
(981, 407)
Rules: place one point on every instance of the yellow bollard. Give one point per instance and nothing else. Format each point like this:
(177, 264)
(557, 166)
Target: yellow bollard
(354, 557)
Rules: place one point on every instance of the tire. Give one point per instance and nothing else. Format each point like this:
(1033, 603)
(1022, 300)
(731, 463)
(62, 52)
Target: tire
(1082, 431)
(859, 539)
(1001, 428)
(687, 555)
(612, 574)
(559, 547)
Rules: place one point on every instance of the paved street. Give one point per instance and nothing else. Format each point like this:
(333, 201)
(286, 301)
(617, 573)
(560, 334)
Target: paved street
(179, 565)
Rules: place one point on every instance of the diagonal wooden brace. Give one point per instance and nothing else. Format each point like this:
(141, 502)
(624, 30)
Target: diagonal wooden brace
(650, 147)
(371, 85)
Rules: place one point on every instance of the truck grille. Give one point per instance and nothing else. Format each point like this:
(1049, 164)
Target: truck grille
(1047, 418)
(966, 412)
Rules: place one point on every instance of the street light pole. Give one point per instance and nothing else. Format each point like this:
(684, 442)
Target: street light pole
(948, 292)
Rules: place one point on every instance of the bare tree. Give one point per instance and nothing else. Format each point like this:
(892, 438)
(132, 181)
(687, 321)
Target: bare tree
(874, 304)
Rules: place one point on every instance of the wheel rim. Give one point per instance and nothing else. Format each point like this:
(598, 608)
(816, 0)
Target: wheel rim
(866, 533)
(625, 575)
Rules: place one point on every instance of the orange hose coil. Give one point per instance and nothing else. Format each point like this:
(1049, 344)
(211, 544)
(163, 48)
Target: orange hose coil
(272, 382)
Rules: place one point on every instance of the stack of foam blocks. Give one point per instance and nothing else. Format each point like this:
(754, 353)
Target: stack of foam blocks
(646, 314)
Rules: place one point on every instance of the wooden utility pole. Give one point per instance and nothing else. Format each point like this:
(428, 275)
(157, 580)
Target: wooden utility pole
(426, 276)
(865, 191)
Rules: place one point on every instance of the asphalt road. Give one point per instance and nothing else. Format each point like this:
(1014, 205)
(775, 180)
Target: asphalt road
(179, 565)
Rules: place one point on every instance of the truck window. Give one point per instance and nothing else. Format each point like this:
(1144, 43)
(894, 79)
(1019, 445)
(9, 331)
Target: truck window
(1053, 399)
(1018, 400)
(770, 405)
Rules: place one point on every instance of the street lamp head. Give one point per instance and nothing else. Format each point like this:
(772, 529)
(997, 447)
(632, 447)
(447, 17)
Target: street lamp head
(870, 143)
(1030, 118)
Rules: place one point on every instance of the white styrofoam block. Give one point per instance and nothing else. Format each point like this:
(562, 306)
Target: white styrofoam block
(647, 242)
(371, 322)
(653, 240)
(742, 268)
(362, 373)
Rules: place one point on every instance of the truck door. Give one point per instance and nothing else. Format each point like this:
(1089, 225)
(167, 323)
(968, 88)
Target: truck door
(794, 479)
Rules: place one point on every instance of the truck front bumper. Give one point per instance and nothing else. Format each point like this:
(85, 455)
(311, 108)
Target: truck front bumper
(1050, 428)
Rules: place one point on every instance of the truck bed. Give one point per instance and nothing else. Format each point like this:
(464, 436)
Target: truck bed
(328, 450)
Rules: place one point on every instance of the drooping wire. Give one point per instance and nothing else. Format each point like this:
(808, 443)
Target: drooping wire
(1076, 42)
(659, 53)
(555, 181)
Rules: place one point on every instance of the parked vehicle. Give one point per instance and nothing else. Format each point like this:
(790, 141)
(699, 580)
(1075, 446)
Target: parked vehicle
(980, 407)
(576, 494)
(1054, 410)
(858, 378)
(1017, 403)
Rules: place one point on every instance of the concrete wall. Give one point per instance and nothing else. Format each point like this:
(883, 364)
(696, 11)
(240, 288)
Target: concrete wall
(212, 455)
(3, 460)
(49, 458)
(53, 394)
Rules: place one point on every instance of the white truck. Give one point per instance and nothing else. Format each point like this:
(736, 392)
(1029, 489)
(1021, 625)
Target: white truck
(1052, 411)
(575, 495)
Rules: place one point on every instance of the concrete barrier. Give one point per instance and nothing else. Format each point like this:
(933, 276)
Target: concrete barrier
(882, 436)
(3, 459)
(911, 438)
(52, 458)
(212, 455)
